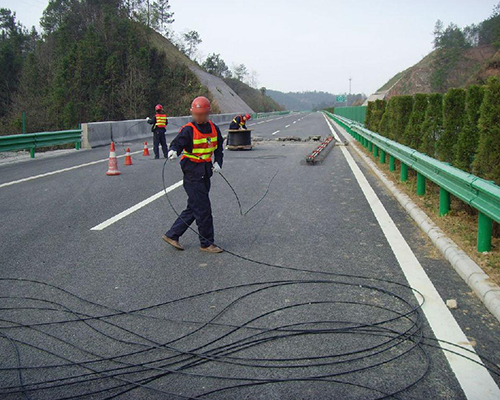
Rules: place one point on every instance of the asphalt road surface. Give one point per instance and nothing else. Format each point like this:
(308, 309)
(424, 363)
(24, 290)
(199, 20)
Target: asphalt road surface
(327, 288)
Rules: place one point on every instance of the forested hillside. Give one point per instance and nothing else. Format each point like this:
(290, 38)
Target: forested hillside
(312, 100)
(92, 63)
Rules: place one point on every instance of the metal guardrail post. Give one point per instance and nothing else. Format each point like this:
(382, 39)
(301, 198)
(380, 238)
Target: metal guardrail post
(392, 163)
(420, 184)
(484, 228)
(370, 146)
(444, 202)
(32, 152)
(382, 156)
(375, 151)
(404, 172)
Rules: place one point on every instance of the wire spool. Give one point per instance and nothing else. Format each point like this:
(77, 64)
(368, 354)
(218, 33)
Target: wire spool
(239, 139)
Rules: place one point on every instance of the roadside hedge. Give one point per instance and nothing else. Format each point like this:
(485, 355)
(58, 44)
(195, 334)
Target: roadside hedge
(462, 127)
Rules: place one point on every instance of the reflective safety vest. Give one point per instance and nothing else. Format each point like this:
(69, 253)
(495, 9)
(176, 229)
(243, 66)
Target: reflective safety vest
(161, 120)
(242, 122)
(204, 144)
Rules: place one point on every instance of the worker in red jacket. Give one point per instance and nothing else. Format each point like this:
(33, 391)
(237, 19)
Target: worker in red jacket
(239, 122)
(199, 141)
(159, 129)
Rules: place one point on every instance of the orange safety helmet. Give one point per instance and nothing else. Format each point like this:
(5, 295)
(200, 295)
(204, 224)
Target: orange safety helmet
(248, 116)
(200, 105)
(158, 107)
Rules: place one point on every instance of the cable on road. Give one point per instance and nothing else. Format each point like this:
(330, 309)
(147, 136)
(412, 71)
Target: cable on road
(362, 334)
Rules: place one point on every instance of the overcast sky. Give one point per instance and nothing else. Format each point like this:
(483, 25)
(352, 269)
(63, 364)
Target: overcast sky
(297, 45)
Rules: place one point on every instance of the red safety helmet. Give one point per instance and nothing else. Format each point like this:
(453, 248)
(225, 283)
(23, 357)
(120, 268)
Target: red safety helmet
(200, 105)
(248, 116)
(158, 107)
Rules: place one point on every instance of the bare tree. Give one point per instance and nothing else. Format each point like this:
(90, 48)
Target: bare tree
(191, 41)
(240, 71)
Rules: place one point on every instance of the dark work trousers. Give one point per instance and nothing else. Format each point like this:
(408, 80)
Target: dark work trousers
(159, 138)
(198, 209)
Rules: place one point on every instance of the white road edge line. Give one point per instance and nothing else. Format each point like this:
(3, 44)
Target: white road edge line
(132, 209)
(274, 133)
(287, 126)
(475, 380)
(30, 178)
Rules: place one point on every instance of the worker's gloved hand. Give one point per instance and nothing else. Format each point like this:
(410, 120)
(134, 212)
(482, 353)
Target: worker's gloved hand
(172, 155)
(217, 168)
(147, 119)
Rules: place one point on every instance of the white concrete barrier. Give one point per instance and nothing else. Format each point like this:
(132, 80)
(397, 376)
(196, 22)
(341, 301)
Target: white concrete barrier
(97, 134)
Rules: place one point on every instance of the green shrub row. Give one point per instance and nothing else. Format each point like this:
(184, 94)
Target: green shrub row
(461, 127)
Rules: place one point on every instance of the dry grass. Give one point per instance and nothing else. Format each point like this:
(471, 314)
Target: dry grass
(460, 224)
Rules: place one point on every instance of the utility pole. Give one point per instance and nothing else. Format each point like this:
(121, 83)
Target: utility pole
(350, 79)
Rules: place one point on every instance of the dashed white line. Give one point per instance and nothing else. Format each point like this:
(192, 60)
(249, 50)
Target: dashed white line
(274, 133)
(30, 178)
(294, 122)
(474, 379)
(287, 126)
(132, 209)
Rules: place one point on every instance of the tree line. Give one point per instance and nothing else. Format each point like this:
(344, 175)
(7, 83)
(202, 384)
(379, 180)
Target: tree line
(96, 60)
(461, 127)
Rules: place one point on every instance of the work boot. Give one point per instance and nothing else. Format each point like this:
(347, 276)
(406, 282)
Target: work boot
(212, 249)
(157, 157)
(172, 242)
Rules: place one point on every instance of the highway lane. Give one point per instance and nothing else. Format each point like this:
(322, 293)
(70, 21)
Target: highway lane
(313, 218)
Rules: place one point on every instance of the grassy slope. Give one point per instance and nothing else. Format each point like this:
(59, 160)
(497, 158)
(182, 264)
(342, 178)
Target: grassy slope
(253, 97)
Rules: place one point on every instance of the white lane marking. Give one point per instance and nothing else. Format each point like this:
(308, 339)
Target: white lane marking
(132, 209)
(30, 178)
(294, 122)
(287, 126)
(262, 122)
(474, 379)
(274, 133)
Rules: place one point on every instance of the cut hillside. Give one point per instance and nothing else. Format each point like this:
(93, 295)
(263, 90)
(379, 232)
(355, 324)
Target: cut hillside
(474, 66)
(259, 101)
(461, 57)
(225, 98)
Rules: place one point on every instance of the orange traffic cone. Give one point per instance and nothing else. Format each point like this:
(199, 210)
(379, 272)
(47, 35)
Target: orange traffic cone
(128, 158)
(146, 150)
(112, 163)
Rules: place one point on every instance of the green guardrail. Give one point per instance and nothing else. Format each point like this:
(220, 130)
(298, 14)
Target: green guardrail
(32, 141)
(479, 193)
(357, 114)
(269, 114)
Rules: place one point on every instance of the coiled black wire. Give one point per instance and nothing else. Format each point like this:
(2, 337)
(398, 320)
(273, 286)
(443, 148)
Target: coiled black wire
(141, 360)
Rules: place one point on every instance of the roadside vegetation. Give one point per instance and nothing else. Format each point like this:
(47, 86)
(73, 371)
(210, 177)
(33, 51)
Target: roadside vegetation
(461, 127)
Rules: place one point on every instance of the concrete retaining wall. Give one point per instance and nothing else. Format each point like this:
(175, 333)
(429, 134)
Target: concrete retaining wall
(103, 133)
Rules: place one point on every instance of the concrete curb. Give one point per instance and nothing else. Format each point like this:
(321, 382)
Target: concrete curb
(482, 285)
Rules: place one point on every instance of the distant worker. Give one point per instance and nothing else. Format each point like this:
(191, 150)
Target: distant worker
(239, 122)
(198, 141)
(159, 128)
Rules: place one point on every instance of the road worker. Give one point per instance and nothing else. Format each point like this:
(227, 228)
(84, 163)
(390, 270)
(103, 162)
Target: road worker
(159, 128)
(199, 141)
(239, 122)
